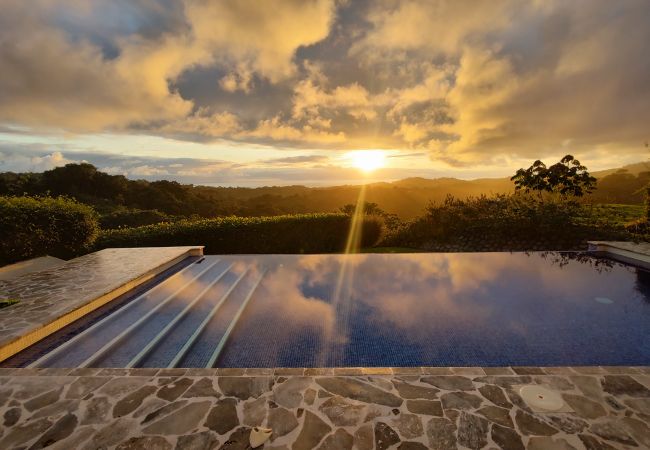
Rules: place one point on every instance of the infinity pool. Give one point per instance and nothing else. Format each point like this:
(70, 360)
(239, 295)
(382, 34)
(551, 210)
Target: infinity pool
(459, 309)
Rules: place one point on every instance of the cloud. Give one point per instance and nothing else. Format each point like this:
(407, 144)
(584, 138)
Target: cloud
(52, 81)
(277, 129)
(204, 123)
(587, 93)
(15, 162)
(147, 171)
(52, 78)
(260, 37)
(561, 77)
(296, 160)
(311, 99)
(471, 83)
(441, 26)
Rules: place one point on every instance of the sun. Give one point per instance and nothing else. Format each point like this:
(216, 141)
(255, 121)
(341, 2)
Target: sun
(367, 160)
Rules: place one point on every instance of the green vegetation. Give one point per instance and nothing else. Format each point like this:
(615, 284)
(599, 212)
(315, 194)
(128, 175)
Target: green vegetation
(300, 233)
(568, 178)
(117, 198)
(544, 213)
(122, 218)
(509, 222)
(547, 208)
(391, 221)
(36, 226)
(612, 215)
(7, 302)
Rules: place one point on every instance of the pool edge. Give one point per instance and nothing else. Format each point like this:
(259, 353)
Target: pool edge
(9, 349)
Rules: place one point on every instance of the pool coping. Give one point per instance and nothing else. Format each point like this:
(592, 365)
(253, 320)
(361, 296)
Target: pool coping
(634, 253)
(328, 371)
(34, 331)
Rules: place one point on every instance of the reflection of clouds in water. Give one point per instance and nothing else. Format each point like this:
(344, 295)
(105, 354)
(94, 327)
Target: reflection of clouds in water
(404, 290)
(431, 308)
(281, 289)
(419, 291)
(323, 270)
(413, 291)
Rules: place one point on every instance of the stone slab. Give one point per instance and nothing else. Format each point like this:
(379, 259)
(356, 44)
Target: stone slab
(13, 271)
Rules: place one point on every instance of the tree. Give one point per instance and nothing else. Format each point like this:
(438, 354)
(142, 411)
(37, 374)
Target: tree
(567, 178)
(392, 221)
(369, 209)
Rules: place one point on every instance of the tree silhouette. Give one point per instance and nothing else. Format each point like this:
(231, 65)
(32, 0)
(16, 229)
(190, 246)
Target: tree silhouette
(567, 178)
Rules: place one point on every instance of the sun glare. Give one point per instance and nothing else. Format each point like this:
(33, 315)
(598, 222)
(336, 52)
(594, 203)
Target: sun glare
(367, 160)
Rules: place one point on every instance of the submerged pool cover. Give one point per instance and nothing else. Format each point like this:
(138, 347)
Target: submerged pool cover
(463, 309)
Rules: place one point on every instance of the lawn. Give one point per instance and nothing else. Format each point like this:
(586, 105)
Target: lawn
(616, 214)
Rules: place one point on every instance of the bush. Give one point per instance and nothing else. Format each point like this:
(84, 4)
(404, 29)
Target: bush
(133, 218)
(36, 226)
(300, 233)
(504, 222)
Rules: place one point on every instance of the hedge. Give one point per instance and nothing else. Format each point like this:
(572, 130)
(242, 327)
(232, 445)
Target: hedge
(37, 226)
(133, 218)
(502, 222)
(300, 233)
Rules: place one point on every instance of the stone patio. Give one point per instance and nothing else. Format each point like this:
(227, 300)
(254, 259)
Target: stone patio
(51, 299)
(362, 408)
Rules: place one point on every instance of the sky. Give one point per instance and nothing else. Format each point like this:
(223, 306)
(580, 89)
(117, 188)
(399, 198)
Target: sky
(280, 92)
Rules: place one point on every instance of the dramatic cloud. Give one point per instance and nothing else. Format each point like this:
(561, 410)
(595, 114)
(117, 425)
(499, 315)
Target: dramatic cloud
(53, 77)
(469, 83)
(16, 162)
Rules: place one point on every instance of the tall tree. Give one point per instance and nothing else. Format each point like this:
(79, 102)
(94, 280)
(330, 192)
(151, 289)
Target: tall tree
(567, 178)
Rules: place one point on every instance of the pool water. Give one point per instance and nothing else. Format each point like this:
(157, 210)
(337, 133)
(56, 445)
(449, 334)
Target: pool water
(460, 309)
(457, 309)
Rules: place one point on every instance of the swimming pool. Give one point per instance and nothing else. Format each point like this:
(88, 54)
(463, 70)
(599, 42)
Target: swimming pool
(423, 309)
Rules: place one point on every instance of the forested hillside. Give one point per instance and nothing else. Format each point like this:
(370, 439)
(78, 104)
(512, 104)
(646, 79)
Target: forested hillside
(115, 194)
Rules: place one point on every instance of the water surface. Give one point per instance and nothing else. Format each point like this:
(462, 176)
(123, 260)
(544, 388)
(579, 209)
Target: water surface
(457, 309)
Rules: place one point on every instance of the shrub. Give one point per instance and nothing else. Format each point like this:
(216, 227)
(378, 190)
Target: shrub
(300, 233)
(133, 218)
(496, 219)
(36, 226)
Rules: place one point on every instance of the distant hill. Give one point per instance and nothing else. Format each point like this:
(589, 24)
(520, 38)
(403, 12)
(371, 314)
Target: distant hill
(633, 169)
(407, 198)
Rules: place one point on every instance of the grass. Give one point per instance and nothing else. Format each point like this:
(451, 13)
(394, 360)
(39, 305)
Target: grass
(7, 302)
(616, 214)
(622, 214)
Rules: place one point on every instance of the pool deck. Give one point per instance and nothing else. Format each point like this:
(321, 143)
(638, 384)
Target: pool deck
(635, 253)
(53, 298)
(362, 408)
(407, 408)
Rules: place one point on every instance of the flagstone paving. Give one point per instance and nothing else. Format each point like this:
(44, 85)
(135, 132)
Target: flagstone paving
(406, 409)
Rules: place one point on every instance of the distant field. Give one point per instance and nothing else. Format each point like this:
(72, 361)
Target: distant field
(617, 214)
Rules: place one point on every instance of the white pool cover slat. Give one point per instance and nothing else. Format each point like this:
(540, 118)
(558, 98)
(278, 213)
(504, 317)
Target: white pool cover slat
(188, 344)
(147, 348)
(233, 323)
(75, 340)
(185, 319)
(117, 339)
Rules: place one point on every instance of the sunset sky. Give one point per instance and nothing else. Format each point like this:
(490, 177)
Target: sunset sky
(253, 92)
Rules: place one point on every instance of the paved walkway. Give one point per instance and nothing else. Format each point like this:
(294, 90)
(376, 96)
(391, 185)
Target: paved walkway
(51, 299)
(407, 409)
